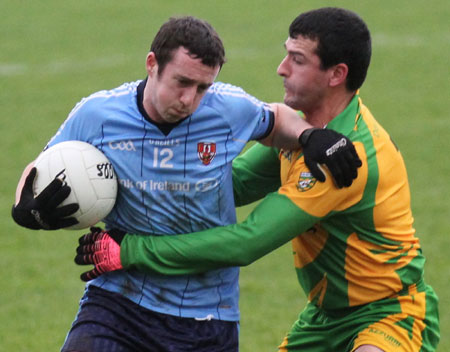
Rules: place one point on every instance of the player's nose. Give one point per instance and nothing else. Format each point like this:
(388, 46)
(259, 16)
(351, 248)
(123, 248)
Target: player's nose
(282, 69)
(187, 97)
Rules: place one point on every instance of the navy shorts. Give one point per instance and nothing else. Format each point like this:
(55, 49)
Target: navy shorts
(109, 322)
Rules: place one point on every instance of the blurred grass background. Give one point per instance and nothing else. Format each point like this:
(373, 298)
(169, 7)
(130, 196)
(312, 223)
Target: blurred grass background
(53, 53)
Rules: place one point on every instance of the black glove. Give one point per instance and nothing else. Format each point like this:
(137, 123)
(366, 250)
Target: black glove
(101, 249)
(42, 212)
(324, 146)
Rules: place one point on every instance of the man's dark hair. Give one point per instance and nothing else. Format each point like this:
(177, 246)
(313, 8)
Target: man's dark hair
(196, 35)
(342, 37)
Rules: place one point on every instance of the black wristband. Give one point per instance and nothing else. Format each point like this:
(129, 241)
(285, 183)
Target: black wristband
(116, 235)
(304, 136)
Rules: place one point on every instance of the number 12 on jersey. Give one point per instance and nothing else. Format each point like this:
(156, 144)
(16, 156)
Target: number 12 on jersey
(162, 157)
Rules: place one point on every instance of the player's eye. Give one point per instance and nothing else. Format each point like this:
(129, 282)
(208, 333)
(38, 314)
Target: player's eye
(184, 82)
(202, 88)
(298, 59)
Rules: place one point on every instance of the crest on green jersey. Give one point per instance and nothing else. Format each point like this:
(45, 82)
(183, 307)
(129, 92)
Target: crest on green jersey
(306, 181)
(287, 154)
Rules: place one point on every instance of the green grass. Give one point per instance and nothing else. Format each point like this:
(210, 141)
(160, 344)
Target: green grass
(54, 53)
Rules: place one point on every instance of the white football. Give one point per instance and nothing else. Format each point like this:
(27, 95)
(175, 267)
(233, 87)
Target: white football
(89, 174)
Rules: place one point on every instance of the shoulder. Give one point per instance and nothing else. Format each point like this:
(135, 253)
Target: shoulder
(233, 103)
(123, 90)
(319, 198)
(226, 94)
(105, 99)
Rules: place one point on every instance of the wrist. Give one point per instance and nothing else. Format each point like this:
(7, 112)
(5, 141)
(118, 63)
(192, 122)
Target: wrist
(117, 235)
(305, 135)
(107, 253)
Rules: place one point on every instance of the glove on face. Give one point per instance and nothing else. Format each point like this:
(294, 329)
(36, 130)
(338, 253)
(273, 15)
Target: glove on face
(102, 249)
(335, 151)
(43, 212)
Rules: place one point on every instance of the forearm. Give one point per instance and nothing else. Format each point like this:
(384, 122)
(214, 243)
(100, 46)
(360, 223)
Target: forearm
(21, 182)
(275, 221)
(288, 126)
(255, 174)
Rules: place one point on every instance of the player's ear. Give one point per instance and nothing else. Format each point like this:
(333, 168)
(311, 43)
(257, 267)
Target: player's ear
(338, 74)
(151, 64)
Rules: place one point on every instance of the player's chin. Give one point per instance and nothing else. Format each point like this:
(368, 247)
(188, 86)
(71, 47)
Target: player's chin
(290, 101)
(175, 116)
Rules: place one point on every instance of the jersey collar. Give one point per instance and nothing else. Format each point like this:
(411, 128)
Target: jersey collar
(346, 121)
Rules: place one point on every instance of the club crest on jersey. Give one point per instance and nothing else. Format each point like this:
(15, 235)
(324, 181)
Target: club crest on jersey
(206, 152)
(287, 154)
(306, 181)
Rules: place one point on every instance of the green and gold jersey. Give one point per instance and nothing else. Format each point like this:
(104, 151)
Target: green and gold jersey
(351, 246)
(363, 247)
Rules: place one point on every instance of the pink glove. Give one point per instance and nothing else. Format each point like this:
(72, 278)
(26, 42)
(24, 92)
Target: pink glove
(100, 248)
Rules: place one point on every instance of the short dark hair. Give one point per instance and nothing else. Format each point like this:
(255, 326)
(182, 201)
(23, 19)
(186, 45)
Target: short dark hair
(342, 37)
(196, 35)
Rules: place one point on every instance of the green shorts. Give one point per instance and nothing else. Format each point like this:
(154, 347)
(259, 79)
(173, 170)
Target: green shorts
(403, 323)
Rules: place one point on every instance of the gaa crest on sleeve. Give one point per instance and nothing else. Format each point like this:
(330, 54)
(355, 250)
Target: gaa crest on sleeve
(206, 152)
(306, 181)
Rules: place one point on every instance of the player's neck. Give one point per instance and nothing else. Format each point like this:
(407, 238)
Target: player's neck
(147, 104)
(330, 107)
(152, 114)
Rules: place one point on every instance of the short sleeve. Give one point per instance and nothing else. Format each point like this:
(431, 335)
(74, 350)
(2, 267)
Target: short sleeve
(83, 123)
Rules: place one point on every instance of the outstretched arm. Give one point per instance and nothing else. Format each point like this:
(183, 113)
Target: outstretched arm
(275, 221)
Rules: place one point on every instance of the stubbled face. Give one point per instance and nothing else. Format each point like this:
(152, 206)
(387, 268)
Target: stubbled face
(177, 91)
(305, 83)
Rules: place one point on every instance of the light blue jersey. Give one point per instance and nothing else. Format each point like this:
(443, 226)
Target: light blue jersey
(174, 182)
